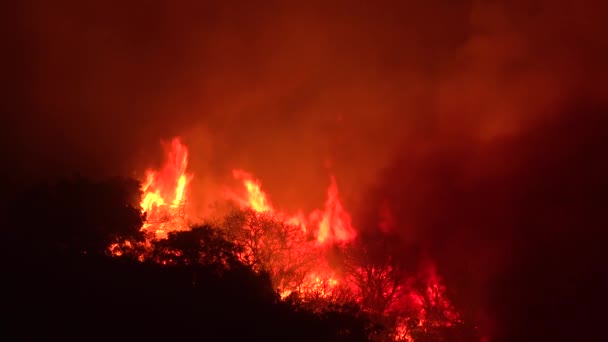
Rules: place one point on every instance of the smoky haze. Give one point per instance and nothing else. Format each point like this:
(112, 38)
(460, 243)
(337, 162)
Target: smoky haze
(453, 115)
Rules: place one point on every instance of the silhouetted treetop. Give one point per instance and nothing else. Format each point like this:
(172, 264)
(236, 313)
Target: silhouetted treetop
(204, 245)
(78, 214)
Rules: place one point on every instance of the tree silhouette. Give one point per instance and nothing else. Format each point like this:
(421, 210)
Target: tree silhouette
(271, 245)
(78, 214)
(190, 285)
(203, 245)
(370, 264)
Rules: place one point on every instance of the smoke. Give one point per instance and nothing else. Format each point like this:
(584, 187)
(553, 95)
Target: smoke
(507, 222)
(274, 88)
(443, 112)
(503, 191)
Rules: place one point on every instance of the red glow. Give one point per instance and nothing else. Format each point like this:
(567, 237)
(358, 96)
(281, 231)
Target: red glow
(165, 192)
(296, 244)
(332, 224)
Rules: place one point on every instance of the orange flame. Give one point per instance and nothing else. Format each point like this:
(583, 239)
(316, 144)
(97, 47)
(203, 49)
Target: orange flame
(333, 223)
(165, 192)
(164, 195)
(256, 199)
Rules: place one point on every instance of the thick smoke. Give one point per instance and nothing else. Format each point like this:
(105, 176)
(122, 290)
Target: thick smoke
(514, 225)
(276, 89)
(477, 124)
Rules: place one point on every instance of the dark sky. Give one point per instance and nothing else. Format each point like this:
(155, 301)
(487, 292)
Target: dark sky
(479, 123)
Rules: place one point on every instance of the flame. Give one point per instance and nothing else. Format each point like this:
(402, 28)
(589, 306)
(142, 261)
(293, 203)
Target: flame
(164, 196)
(333, 224)
(165, 192)
(316, 284)
(256, 199)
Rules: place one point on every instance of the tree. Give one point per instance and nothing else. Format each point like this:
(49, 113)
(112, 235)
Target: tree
(271, 245)
(203, 245)
(370, 264)
(78, 214)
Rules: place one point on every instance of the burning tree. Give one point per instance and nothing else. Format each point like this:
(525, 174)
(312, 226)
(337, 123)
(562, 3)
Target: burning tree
(317, 261)
(272, 245)
(374, 271)
(429, 312)
(292, 247)
(408, 298)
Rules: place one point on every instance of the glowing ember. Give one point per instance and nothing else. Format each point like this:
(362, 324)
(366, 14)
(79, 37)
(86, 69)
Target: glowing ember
(314, 285)
(402, 332)
(165, 193)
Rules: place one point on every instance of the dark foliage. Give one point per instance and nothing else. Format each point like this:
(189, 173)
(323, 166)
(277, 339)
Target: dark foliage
(77, 214)
(60, 283)
(203, 245)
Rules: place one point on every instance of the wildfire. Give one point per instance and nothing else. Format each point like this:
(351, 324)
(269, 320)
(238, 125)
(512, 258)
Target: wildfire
(315, 284)
(333, 224)
(255, 198)
(165, 193)
(293, 247)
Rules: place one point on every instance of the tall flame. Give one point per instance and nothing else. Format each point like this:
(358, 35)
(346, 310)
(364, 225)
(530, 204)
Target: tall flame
(333, 224)
(165, 192)
(256, 199)
(164, 195)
